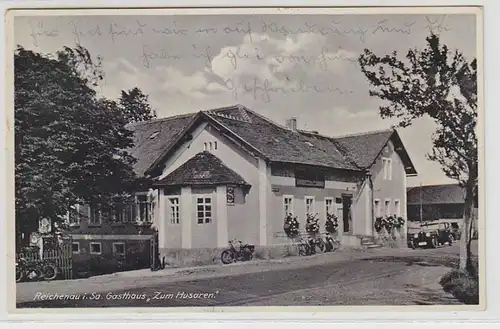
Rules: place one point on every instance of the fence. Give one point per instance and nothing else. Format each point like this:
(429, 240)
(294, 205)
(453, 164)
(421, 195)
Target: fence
(61, 257)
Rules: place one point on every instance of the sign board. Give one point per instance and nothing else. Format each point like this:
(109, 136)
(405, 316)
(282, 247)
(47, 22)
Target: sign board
(230, 195)
(309, 183)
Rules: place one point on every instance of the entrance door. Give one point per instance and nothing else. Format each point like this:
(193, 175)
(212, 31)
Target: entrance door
(346, 212)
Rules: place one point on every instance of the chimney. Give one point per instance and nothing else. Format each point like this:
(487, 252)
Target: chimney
(292, 124)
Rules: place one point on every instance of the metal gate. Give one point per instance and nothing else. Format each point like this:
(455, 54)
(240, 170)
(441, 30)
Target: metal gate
(62, 257)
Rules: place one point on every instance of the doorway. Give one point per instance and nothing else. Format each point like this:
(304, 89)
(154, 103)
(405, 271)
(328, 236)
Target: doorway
(346, 212)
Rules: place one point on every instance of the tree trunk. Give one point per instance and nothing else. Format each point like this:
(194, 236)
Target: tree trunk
(468, 217)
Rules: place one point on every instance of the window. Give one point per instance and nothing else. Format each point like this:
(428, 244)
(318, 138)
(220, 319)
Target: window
(387, 207)
(143, 208)
(95, 216)
(338, 200)
(387, 163)
(95, 248)
(174, 210)
(329, 206)
(210, 146)
(123, 213)
(288, 205)
(397, 208)
(75, 247)
(376, 207)
(204, 210)
(74, 215)
(119, 248)
(309, 205)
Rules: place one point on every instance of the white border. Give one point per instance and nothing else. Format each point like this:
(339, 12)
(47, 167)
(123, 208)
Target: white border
(491, 26)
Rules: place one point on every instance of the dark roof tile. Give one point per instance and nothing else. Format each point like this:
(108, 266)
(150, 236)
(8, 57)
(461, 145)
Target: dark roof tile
(436, 194)
(202, 169)
(277, 143)
(153, 137)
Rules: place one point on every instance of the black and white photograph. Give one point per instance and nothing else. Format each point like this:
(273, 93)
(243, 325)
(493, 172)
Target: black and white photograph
(215, 158)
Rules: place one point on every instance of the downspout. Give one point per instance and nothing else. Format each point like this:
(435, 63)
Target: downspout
(372, 210)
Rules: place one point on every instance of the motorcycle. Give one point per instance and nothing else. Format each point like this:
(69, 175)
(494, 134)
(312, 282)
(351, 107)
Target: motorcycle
(232, 254)
(35, 270)
(330, 243)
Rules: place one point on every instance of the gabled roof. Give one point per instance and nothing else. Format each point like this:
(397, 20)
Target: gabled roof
(365, 148)
(436, 194)
(203, 169)
(265, 138)
(279, 144)
(153, 137)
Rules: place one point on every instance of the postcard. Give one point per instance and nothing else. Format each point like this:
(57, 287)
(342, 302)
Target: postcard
(246, 158)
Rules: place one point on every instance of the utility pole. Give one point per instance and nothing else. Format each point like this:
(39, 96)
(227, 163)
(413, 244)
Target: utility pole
(421, 202)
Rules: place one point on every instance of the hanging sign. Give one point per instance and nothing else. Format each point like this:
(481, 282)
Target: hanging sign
(230, 195)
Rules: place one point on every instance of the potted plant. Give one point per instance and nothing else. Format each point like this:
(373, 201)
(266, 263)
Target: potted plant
(312, 226)
(291, 226)
(332, 223)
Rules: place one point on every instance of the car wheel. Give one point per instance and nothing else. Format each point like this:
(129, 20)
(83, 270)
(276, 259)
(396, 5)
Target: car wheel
(434, 242)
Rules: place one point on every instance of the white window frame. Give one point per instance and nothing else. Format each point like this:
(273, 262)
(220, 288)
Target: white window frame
(204, 204)
(92, 214)
(114, 250)
(389, 174)
(291, 205)
(75, 252)
(332, 207)
(100, 248)
(397, 207)
(174, 209)
(387, 207)
(313, 205)
(377, 207)
(387, 164)
(205, 146)
(138, 207)
(77, 211)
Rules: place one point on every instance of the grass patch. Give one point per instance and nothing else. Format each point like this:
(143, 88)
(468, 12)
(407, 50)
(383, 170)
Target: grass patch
(462, 285)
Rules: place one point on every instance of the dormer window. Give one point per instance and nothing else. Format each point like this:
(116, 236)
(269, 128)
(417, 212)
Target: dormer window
(153, 135)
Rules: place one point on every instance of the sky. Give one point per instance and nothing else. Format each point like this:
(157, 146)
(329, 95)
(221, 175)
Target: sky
(281, 66)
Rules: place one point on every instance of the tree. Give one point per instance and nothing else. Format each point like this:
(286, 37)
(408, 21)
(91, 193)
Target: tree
(135, 106)
(442, 85)
(70, 146)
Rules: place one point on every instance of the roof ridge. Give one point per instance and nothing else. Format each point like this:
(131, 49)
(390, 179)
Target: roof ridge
(178, 116)
(371, 132)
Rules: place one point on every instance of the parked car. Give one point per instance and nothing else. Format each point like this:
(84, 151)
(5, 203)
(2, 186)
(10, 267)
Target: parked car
(431, 235)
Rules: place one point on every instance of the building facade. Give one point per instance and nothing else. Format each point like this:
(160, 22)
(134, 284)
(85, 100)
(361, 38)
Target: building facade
(438, 202)
(231, 173)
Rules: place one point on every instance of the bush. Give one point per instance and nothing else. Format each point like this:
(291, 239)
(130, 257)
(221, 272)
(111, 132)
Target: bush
(462, 285)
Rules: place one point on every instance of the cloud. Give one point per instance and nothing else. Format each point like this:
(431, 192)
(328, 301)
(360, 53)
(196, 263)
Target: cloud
(283, 63)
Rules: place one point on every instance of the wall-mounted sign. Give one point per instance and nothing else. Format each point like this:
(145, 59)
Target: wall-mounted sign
(230, 195)
(275, 189)
(309, 183)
